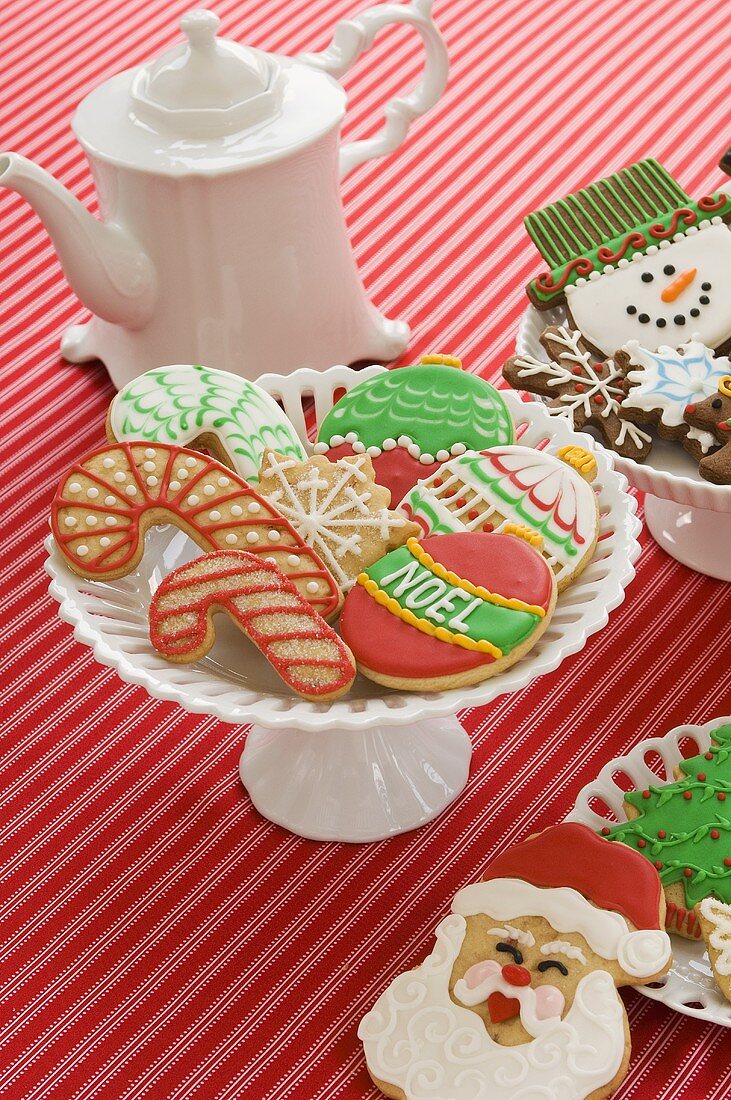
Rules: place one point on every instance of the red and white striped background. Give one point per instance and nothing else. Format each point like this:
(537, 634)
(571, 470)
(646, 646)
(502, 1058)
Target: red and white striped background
(157, 937)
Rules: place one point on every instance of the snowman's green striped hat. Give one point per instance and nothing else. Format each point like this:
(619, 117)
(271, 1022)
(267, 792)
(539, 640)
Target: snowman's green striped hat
(605, 225)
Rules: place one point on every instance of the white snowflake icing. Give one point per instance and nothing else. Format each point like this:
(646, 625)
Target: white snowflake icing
(668, 379)
(562, 371)
(331, 515)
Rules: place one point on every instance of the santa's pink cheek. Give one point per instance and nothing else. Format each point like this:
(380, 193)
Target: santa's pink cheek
(549, 1002)
(477, 974)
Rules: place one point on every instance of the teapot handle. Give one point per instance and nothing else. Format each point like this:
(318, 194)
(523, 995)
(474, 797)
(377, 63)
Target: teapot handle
(352, 38)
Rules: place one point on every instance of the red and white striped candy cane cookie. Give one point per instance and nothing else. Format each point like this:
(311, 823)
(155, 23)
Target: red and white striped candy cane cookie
(306, 652)
(106, 503)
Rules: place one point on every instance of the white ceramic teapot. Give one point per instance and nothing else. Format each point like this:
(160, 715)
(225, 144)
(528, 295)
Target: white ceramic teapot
(223, 239)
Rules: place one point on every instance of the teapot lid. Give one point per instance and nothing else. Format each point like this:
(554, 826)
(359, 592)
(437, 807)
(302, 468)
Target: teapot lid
(207, 87)
(207, 105)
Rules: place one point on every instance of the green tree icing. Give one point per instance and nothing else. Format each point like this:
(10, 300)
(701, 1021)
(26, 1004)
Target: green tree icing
(684, 828)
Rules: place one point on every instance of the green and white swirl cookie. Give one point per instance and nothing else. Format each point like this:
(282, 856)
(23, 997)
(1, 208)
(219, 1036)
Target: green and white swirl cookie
(231, 418)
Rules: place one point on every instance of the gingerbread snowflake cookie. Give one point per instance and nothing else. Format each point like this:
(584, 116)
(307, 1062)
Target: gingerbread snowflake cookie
(518, 997)
(663, 383)
(337, 508)
(633, 257)
(582, 388)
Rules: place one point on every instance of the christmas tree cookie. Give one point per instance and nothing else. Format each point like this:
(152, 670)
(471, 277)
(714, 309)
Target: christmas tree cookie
(684, 829)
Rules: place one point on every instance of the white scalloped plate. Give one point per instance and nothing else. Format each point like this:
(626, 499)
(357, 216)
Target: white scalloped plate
(689, 986)
(234, 683)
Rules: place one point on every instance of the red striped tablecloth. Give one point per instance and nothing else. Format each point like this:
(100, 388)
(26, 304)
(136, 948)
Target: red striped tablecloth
(157, 937)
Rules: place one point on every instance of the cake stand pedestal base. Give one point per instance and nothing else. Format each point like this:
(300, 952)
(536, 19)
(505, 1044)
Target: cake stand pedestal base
(356, 785)
(697, 537)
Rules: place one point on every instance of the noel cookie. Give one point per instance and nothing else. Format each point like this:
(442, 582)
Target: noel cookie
(663, 382)
(634, 258)
(211, 410)
(518, 998)
(583, 389)
(487, 491)
(683, 829)
(410, 420)
(267, 608)
(715, 922)
(337, 508)
(449, 610)
(713, 416)
(105, 504)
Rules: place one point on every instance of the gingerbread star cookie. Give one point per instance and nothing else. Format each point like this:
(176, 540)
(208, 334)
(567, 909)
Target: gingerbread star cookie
(337, 508)
(584, 389)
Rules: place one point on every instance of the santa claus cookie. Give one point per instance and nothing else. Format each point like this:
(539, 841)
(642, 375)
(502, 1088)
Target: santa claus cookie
(410, 420)
(487, 491)
(632, 257)
(211, 410)
(663, 383)
(267, 608)
(337, 508)
(683, 830)
(524, 975)
(584, 390)
(448, 611)
(104, 506)
(713, 417)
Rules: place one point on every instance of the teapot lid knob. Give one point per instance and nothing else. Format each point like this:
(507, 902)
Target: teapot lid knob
(200, 27)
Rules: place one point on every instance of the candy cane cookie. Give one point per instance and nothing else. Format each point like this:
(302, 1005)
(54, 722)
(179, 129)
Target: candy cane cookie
(306, 652)
(107, 502)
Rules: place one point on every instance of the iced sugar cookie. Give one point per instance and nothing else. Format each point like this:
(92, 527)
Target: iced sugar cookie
(337, 508)
(512, 485)
(684, 830)
(518, 998)
(267, 608)
(410, 420)
(635, 258)
(211, 410)
(713, 417)
(449, 610)
(106, 503)
(715, 923)
(663, 382)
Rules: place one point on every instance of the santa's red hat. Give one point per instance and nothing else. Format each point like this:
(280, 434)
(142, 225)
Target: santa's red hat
(580, 883)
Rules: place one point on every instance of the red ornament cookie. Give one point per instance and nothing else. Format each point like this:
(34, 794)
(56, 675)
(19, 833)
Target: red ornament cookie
(448, 611)
(265, 605)
(106, 503)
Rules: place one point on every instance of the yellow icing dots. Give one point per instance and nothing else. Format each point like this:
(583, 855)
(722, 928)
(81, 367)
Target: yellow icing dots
(582, 461)
(438, 570)
(441, 360)
(439, 632)
(526, 533)
(724, 386)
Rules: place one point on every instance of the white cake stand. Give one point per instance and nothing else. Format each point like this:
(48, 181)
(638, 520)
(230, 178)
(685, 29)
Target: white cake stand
(689, 986)
(689, 517)
(376, 762)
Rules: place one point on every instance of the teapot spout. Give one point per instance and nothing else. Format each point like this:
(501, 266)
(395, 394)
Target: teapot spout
(105, 267)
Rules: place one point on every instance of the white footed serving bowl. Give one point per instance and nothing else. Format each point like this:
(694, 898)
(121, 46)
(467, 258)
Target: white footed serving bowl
(376, 762)
(689, 986)
(688, 516)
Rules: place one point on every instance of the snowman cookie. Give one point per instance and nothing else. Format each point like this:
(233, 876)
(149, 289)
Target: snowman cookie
(663, 383)
(449, 610)
(211, 410)
(633, 257)
(508, 486)
(410, 420)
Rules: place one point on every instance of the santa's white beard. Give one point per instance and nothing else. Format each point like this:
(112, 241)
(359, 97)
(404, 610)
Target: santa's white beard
(417, 1038)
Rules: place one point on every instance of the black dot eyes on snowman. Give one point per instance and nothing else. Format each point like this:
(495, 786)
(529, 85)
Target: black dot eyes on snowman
(647, 277)
(511, 950)
(716, 403)
(543, 966)
(668, 269)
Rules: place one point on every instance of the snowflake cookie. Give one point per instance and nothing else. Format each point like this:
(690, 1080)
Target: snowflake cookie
(663, 382)
(584, 389)
(337, 508)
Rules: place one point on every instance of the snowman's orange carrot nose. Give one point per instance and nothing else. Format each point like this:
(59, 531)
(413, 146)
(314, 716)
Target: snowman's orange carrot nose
(684, 279)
